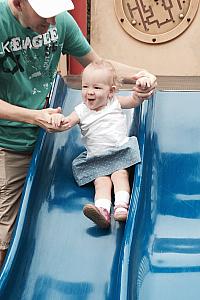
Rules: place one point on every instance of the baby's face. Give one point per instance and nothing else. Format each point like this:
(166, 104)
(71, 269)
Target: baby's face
(96, 88)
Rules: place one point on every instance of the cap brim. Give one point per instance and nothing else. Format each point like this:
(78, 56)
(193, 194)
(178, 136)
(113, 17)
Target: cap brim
(50, 8)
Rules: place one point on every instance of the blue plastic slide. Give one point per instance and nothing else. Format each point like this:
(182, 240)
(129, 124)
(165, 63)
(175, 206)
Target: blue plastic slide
(58, 254)
(160, 259)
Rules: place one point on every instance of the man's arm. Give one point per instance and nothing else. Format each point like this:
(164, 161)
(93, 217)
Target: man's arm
(125, 73)
(41, 118)
(88, 58)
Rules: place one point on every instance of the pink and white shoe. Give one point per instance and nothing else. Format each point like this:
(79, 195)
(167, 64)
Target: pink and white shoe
(99, 215)
(121, 212)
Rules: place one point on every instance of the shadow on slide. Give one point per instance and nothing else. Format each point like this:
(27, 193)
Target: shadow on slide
(57, 253)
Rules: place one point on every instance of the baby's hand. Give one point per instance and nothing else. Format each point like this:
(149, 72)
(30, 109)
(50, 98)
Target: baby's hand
(143, 82)
(67, 122)
(57, 120)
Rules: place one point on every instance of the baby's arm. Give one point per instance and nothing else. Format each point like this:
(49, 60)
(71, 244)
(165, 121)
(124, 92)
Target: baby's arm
(71, 120)
(59, 120)
(135, 100)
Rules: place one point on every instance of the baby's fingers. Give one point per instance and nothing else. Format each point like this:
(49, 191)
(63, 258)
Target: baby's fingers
(143, 82)
(67, 121)
(57, 121)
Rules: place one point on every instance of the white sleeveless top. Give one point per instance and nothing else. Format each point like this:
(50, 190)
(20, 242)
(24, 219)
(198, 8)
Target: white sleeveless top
(102, 130)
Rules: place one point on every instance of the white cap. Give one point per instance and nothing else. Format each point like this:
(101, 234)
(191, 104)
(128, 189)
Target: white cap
(50, 8)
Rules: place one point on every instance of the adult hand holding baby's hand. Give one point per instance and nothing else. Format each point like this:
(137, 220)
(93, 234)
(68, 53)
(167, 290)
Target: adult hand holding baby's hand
(145, 84)
(51, 119)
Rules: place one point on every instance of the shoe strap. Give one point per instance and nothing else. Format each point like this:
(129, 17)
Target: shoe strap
(123, 205)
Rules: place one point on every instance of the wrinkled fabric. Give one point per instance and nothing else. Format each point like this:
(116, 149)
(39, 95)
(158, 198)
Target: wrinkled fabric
(86, 169)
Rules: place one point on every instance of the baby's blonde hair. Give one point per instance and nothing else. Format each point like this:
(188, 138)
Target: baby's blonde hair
(105, 65)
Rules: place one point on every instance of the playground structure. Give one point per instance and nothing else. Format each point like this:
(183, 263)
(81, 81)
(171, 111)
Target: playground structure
(58, 254)
(160, 36)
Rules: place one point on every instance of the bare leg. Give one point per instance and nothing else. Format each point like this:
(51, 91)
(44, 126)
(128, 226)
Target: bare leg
(122, 194)
(100, 212)
(120, 181)
(103, 187)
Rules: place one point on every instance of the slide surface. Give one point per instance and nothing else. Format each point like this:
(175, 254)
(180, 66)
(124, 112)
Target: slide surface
(57, 253)
(161, 255)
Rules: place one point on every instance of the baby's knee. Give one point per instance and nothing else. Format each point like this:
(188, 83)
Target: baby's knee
(120, 174)
(102, 182)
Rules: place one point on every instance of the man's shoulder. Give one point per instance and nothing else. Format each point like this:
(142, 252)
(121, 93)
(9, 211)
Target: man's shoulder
(2, 2)
(65, 18)
(5, 16)
(3, 7)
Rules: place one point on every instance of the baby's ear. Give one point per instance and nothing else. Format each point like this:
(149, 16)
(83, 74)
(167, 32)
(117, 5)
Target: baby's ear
(112, 91)
(113, 88)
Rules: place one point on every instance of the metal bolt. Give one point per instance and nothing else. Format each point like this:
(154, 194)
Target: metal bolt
(133, 22)
(181, 16)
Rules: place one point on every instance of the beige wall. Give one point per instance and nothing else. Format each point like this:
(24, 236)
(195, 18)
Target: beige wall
(180, 56)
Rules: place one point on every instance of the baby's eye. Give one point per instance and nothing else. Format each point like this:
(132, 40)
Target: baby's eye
(84, 86)
(97, 88)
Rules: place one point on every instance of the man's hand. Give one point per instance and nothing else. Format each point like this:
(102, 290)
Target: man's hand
(50, 119)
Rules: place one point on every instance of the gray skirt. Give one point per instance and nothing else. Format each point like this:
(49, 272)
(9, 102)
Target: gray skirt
(86, 169)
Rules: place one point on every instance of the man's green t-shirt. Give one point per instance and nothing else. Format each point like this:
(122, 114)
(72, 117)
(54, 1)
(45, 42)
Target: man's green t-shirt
(28, 64)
